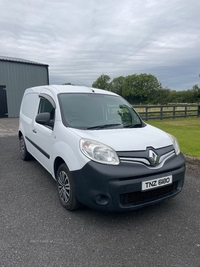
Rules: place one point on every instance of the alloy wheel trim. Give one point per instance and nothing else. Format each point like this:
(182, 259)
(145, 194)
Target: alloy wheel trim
(63, 186)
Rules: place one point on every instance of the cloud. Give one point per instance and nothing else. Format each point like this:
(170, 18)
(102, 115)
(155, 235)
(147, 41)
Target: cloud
(80, 40)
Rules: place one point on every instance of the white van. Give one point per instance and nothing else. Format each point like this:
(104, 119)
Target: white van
(98, 149)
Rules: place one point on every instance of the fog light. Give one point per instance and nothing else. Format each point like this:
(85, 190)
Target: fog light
(102, 200)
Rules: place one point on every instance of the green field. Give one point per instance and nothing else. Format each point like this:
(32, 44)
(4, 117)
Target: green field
(186, 130)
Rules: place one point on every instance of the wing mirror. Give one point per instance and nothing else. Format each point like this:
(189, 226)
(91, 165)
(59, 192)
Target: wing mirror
(43, 118)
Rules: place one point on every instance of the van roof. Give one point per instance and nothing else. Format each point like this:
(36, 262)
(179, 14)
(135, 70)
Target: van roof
(57, 89)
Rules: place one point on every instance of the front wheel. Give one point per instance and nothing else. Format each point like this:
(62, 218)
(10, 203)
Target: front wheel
(66, 188)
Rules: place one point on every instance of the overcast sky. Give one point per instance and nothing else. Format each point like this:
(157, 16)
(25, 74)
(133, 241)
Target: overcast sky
(82, 39)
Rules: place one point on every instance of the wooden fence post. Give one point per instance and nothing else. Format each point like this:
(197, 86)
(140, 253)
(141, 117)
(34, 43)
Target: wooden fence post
(174, 112)
(146, 114)
(185, 111)
(161, 112)
(198, 110)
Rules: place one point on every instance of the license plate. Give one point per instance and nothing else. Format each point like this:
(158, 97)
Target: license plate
(155, 183)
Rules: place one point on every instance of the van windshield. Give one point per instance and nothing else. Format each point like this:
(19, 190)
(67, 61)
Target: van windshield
(97, 111)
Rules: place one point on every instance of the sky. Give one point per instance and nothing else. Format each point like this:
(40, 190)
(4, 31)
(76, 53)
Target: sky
(82, 39)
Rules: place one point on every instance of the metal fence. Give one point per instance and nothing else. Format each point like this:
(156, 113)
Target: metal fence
(168, 111)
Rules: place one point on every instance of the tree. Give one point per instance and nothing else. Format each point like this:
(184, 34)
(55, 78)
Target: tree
(117, 84)
(146, 89)
(141, 88)
(68, 84)
(188, 96)
(196, 93)
(162, 96)
(102, 82)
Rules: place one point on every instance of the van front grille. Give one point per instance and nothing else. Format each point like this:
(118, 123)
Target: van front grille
(140, 197)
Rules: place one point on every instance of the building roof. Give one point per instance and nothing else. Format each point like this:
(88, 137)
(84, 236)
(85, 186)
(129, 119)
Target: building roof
(20, 60)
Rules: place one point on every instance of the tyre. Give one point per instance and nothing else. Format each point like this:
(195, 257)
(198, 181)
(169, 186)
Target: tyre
(24, 154)
(66, 188)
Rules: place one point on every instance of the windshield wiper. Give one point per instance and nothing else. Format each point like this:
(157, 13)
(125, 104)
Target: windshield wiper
(98, 127)
(133, 125)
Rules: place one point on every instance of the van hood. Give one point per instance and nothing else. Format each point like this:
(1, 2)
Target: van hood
(128, 139)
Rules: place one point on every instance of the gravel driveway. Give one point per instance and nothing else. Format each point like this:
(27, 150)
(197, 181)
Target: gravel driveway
(35, 230)
(8, 126)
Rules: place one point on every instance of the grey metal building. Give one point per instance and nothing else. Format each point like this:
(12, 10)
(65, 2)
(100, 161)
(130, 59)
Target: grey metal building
(15, 76)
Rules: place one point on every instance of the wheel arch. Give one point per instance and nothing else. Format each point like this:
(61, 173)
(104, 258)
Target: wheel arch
(57, 162)
(19, 134)
(69, 154)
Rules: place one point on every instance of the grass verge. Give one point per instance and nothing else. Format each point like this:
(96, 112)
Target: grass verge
(186, 130)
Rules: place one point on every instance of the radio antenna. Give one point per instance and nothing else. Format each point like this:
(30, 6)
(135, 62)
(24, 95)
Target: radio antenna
(86, 86)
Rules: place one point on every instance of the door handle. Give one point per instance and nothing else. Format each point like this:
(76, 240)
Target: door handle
(34, 131)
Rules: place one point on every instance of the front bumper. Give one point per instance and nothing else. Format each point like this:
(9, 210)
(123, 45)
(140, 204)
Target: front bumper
(119, 188)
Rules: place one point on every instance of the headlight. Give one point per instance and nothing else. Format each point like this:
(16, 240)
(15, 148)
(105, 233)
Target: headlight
(98, 152)
(175, 144)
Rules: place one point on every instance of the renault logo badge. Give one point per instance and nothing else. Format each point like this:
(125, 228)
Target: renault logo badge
(153, 157)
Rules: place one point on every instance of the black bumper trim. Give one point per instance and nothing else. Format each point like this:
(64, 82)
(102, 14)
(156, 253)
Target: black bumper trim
(102, 186)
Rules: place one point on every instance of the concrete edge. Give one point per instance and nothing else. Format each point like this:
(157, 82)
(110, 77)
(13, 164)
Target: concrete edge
(192, 160)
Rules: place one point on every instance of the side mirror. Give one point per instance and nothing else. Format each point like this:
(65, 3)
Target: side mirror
(43, 118)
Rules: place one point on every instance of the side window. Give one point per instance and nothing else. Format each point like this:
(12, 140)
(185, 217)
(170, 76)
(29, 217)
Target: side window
(46, 106)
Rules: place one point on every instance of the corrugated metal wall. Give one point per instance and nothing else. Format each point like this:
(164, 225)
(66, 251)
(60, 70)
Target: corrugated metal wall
(17, 77)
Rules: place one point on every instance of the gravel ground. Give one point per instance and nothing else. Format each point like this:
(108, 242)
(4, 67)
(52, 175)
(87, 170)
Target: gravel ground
(35, 230)
(8, 126)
